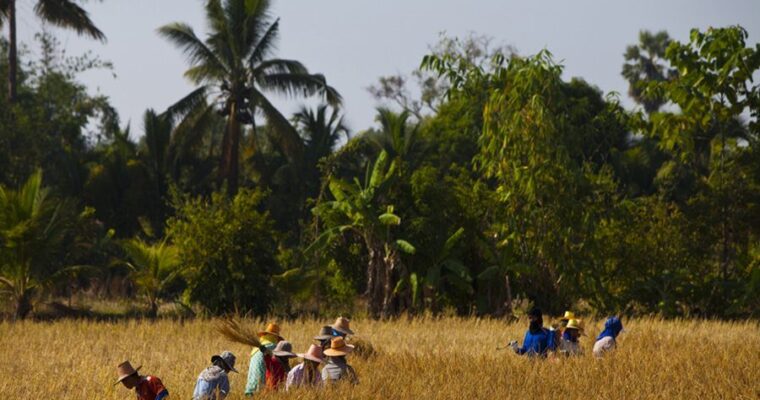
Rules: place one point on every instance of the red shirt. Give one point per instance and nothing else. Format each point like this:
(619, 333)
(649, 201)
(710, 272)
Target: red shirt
(275, 372)
(150, 388)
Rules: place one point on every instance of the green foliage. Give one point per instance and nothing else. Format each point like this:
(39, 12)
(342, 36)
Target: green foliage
(154, 267)
(228, 248)
(33, 226)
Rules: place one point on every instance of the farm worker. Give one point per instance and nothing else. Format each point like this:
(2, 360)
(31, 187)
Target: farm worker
(570, 345)
(324, 337)
(538, 340)
(606, 340)
(563, 322)
(278, 365)
(147, 387)
(213, 383)
(337, 369)
(306, 373)
(257, 367)
(341, 327)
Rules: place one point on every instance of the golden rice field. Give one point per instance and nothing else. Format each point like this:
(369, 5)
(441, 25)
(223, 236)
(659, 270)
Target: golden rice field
(419, 359)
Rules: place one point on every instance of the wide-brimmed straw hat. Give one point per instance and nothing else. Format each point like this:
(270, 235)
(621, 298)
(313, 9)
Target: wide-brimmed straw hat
(325, 333)
(342, 325)
(568, 316)
(314, 354)
(284, 349)
(575, 324)
(272, 329)
(125, 370)
(338, 347)
(227, 358)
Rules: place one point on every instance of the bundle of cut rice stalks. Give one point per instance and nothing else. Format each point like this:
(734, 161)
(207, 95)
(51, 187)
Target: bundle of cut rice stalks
(234, 331)
(363, 348)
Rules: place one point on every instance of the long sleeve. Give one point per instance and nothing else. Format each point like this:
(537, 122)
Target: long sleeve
(224, 386)
(295, 376)
(256, 373)
(527, 343)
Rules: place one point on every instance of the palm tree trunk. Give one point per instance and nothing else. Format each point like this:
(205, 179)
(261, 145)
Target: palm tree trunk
(228, 170)
(153, 312)
(12, 52)
(23, 306)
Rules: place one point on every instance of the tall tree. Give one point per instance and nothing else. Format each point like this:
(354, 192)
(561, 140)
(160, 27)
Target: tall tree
(63, 13)
(232, 68)
(645, 63)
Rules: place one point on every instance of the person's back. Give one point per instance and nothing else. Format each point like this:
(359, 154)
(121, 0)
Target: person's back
(337, 369)
(537, 342)
(606, 341)
(212, 384)
(150, 388)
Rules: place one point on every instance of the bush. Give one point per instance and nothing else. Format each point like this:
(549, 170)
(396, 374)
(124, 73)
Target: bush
(228, 247)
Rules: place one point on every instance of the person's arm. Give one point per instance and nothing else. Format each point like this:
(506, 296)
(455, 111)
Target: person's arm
(291, 377)
(524, 349)
(256, 373)
(224, 386)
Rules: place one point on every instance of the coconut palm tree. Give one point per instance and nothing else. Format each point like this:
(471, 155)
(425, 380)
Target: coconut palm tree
(63, 13)
(153, 268)
(234, 72)
(645, 63)
(32, 229)
(321, 133)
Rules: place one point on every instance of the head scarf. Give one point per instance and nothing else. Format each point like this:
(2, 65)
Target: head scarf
(269, 339)
(612, 328)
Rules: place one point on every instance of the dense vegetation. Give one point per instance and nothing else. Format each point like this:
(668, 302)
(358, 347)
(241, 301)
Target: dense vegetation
(501, 184)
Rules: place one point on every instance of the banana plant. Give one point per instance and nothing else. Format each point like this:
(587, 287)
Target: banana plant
(358, 208)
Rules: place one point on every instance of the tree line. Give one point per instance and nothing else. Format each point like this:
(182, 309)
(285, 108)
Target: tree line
(489, 182)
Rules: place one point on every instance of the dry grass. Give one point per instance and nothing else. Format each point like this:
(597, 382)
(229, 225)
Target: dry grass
(420, 359)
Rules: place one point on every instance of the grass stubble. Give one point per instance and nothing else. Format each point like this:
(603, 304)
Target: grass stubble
(449, 358)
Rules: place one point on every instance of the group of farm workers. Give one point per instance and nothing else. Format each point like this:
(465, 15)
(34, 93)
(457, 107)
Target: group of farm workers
(269, 367)
(565, 338)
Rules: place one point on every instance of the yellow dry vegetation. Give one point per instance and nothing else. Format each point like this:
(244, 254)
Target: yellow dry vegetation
(426, 358)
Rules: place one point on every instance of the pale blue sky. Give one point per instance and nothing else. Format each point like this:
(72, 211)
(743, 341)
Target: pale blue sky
(353, 42)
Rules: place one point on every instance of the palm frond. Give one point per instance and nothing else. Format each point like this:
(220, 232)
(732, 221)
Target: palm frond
(264, 45)
(187, 104)
(287, 137)
(197, 53)
(299, 85)
(279, 66)
(67, 14)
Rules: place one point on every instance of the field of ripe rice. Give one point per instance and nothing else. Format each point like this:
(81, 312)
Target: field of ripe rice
(417, 359)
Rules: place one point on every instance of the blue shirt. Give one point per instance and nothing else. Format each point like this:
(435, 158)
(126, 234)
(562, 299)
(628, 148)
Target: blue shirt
(211, 381)
(537, 344)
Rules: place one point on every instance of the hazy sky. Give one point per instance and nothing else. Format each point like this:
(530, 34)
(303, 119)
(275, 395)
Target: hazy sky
(353, 42)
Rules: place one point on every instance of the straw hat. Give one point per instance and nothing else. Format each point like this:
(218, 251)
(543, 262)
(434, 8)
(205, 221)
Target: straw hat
(338, 347)
(284, 349)
(575, 324)
(228, 358)
(314, 354)
(342, 325)
(325, 333)
(125, 370)
(568, 316)
(272, 329)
